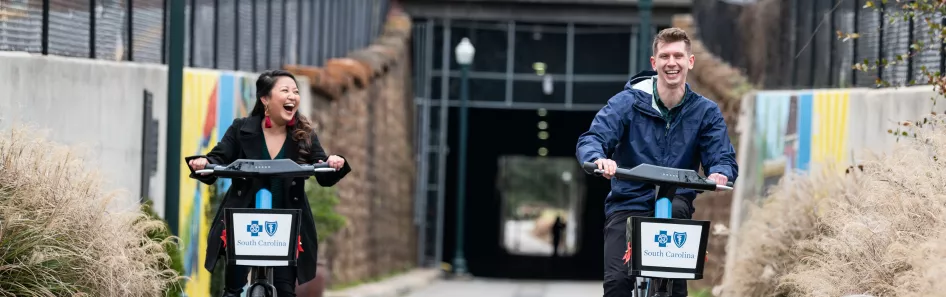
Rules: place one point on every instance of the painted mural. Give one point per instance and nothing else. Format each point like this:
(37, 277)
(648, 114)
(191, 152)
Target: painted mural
(814, 130)
(211, 100)
(799, 131)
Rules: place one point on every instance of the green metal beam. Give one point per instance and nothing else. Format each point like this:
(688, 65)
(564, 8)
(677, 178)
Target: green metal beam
(644, 32)
(175, 93)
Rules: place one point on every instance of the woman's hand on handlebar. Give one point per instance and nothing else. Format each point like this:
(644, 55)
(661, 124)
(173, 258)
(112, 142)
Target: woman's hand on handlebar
(335, 162)
(609, 167)
(198, 164)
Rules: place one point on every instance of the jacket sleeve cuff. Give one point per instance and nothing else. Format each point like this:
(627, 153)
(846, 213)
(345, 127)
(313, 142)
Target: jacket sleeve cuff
(722, 169)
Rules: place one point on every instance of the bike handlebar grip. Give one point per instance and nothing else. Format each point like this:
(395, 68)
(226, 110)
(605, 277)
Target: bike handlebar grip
(589, 167)
(729, 184)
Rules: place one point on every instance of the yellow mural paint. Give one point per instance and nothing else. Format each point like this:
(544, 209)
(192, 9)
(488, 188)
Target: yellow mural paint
(198, 109)
(829, 135)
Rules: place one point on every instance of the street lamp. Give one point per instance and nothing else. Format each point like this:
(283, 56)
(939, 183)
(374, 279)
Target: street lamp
(464, 55)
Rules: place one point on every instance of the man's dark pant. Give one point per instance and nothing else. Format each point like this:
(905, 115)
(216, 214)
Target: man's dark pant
(616, 281)
(284, 279)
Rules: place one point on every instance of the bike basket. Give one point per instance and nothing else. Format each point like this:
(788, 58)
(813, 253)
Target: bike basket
(667, 248)
(262, 237)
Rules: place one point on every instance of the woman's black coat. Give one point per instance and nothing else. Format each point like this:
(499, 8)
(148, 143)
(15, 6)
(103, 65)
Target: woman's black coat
(244, 140)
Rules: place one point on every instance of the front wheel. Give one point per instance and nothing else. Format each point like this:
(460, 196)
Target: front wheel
(258, 291)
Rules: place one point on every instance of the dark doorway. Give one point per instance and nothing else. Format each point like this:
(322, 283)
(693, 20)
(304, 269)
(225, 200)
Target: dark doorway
(495, 133)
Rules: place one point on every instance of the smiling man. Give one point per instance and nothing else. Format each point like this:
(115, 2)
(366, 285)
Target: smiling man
(655, 120)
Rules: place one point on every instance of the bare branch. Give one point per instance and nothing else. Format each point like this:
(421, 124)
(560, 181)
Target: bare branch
(823, 18)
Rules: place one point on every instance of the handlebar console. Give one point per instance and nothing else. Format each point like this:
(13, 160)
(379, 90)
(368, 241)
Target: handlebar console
(265, 168)
(661, 176)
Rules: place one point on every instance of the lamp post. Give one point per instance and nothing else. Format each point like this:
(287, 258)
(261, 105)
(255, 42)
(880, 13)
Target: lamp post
(464, 55)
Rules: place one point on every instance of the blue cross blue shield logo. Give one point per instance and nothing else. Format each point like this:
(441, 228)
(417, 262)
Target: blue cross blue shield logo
(679, 238)
(271, 228)
(254, 228)
(662, 238)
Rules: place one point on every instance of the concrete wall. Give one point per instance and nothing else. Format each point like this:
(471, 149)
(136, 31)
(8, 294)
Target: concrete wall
(94, 104)
(807, 130)
(97, 106)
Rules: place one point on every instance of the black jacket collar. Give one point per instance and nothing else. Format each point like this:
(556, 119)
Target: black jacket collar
(251, 140)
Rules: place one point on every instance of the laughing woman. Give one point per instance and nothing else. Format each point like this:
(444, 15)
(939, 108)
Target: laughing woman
(273, 130)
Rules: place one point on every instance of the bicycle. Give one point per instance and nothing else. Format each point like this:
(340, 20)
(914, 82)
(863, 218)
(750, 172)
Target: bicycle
(652, 260)
(242, 246)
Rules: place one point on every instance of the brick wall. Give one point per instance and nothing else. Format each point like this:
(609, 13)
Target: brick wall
(725, 85)
(362, 109)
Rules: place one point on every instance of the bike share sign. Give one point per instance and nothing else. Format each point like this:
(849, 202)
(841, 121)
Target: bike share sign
(667, 248)
(262, 236)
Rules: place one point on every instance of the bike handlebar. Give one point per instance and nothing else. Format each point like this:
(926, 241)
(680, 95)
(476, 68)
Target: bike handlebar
(652, 174)
(265, 168)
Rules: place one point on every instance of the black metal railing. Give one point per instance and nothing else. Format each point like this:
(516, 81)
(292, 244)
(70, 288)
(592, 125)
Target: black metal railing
(247, 35)
(794, 43)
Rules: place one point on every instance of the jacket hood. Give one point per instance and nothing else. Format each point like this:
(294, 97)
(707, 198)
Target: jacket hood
(644, 81)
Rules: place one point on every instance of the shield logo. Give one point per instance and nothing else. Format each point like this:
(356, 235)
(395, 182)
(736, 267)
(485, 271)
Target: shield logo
(271, 228)
(679, 238)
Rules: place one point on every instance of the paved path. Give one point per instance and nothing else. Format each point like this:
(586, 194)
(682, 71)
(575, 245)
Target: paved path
(508, 288)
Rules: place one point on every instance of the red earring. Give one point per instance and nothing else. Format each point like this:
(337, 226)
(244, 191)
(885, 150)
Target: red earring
(292, 122)
(266, 122)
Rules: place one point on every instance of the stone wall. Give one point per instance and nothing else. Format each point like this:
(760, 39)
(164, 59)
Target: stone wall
(362, 110)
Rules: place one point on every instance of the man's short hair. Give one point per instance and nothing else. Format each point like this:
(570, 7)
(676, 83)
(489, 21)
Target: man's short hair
(671, 35)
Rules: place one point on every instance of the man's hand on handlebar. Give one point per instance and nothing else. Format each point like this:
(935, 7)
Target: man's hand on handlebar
(719, 179)
(198, 164)
(609, 167)
(335, 162)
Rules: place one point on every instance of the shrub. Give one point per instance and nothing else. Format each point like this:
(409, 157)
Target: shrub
(175, 262)
(322, 200)
(62, 235)
(876, 230)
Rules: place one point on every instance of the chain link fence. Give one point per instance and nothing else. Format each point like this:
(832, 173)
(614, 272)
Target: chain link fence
(792, 44)
(247, 35)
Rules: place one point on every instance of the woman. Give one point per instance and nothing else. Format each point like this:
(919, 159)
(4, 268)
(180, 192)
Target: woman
(273, 130)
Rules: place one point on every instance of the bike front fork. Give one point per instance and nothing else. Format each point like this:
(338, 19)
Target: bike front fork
(261, 282)
(654, 287)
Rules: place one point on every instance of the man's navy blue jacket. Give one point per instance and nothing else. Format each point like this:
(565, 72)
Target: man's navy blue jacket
(632, 130)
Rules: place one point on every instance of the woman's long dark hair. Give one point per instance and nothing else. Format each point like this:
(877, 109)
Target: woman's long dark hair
(301, 131)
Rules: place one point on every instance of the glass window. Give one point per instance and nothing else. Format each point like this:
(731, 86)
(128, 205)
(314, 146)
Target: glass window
(595, 92)
(545, 43)
(602, 50)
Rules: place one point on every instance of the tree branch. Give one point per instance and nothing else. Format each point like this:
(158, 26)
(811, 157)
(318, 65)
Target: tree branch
(823, 18)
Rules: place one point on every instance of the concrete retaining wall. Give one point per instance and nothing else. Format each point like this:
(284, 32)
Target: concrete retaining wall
(97, 105)
(94, 104)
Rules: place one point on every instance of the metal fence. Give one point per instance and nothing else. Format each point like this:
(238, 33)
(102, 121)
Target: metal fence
(248, 35)
(794, 43)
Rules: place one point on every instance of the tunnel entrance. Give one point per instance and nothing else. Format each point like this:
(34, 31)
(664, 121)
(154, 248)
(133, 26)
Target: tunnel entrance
(545, 73)
(501, 139)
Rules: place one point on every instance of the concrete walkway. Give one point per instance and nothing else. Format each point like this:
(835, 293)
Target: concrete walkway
(394, 286)
(428, 283)
(509, 288)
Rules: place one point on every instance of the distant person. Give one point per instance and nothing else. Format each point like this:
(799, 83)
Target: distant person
(557, 229)
(656, 120)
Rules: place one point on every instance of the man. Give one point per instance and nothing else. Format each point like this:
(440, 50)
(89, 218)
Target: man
(656, 120)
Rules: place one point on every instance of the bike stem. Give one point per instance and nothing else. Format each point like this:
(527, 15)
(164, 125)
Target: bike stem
(664, 207)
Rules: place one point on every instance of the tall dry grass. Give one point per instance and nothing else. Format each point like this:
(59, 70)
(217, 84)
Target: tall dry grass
(58, 237)
(879, 231)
